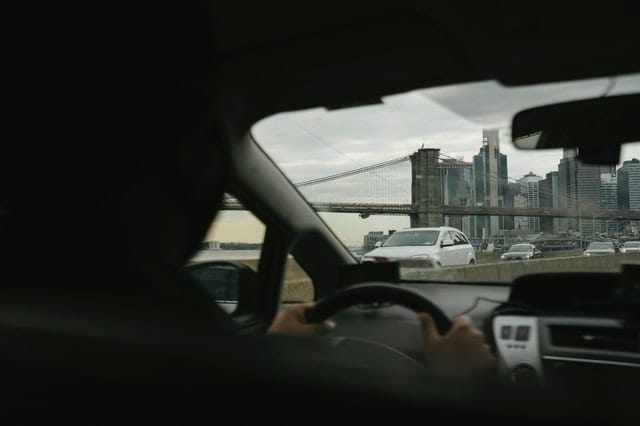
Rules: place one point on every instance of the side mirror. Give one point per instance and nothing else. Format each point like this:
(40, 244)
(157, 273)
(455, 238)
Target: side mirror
(446, 242)
(378, 244)
(226, 282)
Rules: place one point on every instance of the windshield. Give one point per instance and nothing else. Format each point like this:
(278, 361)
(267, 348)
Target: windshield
(599, 246)
(632, 245)
(412, 238)
(520, 248)
(443, 156)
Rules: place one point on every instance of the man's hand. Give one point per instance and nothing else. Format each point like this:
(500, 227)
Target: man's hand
(460, 354)
(291, 320)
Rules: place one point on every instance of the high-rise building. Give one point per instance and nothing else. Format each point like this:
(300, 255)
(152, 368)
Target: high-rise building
(506, 222)
(629, 185)
(548, 188)
(456, 177)
(579, 189)
(490, 181)
(628, 177)
(608, 197)
(531, 192)
(567, 188)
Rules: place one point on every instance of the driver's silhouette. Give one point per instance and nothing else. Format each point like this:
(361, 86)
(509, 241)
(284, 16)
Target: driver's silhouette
(122, 176)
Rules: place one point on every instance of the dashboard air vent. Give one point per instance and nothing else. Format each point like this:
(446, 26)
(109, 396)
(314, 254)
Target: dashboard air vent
(588, 337)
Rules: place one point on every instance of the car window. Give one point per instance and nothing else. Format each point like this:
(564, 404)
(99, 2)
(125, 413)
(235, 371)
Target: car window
(412, 238)
(521, 248)
(436, 157)
(462, 238)
(447, 235)
(457, 238)
(596, 246)
(236, 235)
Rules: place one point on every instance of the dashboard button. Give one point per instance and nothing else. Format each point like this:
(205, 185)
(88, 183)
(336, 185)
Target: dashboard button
(522, 332)
(505, 332)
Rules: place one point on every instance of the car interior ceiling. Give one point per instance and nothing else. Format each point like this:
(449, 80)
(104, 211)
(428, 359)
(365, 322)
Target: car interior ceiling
(335, 57)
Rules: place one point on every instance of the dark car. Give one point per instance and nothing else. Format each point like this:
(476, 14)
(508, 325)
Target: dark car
(522, 252)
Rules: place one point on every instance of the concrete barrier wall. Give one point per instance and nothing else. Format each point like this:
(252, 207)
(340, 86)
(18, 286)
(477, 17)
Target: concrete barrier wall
(507, 271)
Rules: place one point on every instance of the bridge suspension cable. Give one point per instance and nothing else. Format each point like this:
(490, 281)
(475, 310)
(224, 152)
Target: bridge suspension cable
(373, 167)
(353, 172)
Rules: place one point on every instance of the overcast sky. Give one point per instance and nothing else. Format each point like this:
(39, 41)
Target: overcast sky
(315, 143)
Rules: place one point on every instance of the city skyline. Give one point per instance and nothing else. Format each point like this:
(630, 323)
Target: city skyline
(380, 223)
(316, 142)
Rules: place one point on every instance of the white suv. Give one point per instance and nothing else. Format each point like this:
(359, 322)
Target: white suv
(444, 246)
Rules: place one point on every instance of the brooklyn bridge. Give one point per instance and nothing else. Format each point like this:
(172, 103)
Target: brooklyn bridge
(412, 185)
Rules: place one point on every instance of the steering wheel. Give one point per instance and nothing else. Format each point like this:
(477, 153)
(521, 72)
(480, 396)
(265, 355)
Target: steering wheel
(364, 350)
(376, 293)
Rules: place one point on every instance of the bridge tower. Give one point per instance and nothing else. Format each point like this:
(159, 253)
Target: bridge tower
(426, 189)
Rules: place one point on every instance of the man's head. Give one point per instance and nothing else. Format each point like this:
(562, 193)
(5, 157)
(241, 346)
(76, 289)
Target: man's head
(121, 151)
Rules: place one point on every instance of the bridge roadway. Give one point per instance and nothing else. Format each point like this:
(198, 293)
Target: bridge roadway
(407, 209)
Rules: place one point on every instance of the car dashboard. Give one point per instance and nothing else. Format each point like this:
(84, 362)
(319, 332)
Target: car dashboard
(546, 330)
(551, 350)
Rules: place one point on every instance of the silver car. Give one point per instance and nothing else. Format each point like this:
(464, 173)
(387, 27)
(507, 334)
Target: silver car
(443, 246)
(600, 247)
(630, 247)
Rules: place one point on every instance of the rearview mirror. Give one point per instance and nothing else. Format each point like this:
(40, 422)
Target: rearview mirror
(595, 127)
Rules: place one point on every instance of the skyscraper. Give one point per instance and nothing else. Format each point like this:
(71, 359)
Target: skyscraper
(456, 178)
(629, 186)
(531, 192)
(567, 188)
(506, 222)
(490, 180)
(608, 197)
(549, 198)
(579, 188)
